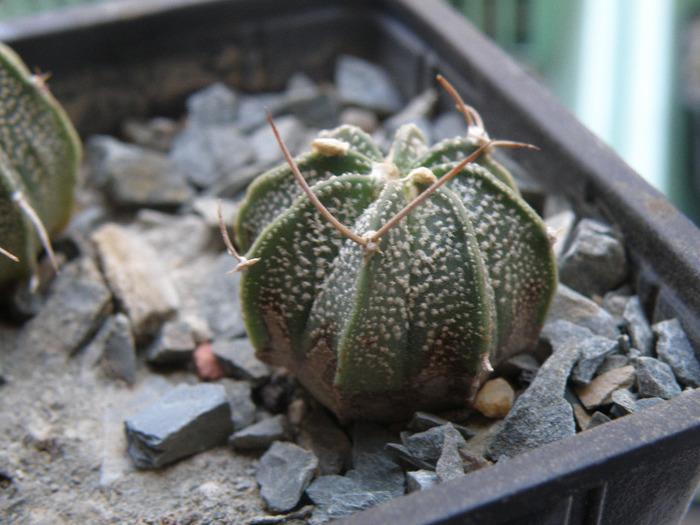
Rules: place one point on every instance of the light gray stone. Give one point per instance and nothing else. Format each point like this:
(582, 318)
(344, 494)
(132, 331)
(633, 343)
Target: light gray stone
(541, 414)
(570, 305)
(641, 336)
(598, 419)
(594, 350)
(133, 176)
(187, 420)
(210, 153)
(362, 83)
(237, 356)
(264, 144)
(154, 134)
(216, 104)
(673, 348)
(595, 261)
(450, 464)
(174, 344)
(624, 402)
(337, 496)
(119, 354)
(561, 225)
(448, 125)
(79, 299)
(611, 362)
(284, 473)
(374, 468)
(429, 444)
(421, 479)
(239, 394)
(320, 434)
(217, 300)
(262, 434)
(655, 378)
(135, 274)
(417, 111)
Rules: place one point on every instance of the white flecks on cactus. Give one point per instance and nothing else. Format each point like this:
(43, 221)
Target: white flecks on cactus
(438, 287)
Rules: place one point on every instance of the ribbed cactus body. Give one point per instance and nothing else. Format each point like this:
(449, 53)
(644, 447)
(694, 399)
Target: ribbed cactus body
(465, 278)
(39, 159)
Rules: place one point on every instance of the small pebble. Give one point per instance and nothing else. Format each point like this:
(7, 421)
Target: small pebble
(207, 364)
(495, 398)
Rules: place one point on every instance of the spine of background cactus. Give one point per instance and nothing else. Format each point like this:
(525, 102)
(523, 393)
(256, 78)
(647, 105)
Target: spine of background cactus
(387, 285)
(40, 155)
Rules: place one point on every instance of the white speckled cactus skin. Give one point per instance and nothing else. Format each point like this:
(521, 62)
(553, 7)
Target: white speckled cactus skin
(40, 155)
(464, 280)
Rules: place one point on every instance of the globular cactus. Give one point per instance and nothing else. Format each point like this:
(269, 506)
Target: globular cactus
(389, 285)
(40, 154)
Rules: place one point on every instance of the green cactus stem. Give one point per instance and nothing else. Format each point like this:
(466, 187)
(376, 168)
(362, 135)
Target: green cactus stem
(389, 285)
(40, 154)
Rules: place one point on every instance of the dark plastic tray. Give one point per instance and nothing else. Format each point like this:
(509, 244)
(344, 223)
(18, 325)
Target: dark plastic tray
(132, 58)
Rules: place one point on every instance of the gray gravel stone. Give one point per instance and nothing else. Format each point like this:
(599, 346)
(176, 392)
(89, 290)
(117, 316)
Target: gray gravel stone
(541, 414)
(448, 125)
(262, 434)
(673, 348)
(595, 261)
(119, 357)
(561, 224)
(374, 468)
(598, 419)
(134, 176)
(641, 404)
(210, 153)
(264, 144)
(572, 306)
(637, 325)
(424, 420)
(429, 444)
(135, 274)
(324, 438)
(362, 83)
(450, 464)
(79, 299)
(239, 394)
(338, 496)
(187, 420)
(417, 111)
(217, 300)
(594, 350)
(655, 378)
(611, 362)
(421, 479)
(624, 402)
(156, 133)
(323, 488)
(237, 356)
(174, 344)
(216, 104)
(283, 474)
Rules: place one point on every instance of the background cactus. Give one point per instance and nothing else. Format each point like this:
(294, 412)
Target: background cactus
(40, 155)
(410, 320)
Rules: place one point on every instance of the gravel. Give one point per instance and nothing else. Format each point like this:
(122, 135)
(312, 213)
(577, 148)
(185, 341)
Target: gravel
(106, 418)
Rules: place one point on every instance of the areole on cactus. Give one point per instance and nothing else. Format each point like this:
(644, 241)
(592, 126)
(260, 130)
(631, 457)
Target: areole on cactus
(390, 285)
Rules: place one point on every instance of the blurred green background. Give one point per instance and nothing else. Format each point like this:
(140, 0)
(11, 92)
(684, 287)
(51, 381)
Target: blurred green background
(628, 69)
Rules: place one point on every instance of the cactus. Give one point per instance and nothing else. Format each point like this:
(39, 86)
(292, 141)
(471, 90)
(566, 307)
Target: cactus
(40, 155)
(390, 285)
